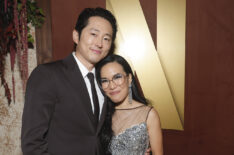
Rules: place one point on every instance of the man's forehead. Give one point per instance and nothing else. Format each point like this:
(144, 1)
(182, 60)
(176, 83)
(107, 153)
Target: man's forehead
(98, 19)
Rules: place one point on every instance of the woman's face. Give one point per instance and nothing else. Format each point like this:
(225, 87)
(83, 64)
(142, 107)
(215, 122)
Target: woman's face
(115, 82)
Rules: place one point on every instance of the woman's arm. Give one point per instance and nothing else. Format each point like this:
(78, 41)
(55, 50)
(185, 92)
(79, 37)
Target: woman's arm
(155, 132)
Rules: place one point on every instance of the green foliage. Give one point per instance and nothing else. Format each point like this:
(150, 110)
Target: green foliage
(35, 16)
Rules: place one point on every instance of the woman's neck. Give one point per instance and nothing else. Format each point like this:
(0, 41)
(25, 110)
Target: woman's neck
(126, 105)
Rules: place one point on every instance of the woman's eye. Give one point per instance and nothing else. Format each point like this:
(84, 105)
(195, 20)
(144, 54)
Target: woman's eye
(104, 80)
(118, 76)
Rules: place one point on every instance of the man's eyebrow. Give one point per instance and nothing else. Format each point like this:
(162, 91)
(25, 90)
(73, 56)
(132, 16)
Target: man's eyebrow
(93, 29)
(109, 35)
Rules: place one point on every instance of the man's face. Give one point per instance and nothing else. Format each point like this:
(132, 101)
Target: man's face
(94, 42)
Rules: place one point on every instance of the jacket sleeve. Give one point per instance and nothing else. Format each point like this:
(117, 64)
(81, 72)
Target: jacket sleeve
(40, 99)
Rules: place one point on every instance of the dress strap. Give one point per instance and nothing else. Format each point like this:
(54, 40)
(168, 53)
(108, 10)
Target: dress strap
(148, 113)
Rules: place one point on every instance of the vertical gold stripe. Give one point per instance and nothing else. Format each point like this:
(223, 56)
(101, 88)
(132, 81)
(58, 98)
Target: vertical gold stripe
(171, 46)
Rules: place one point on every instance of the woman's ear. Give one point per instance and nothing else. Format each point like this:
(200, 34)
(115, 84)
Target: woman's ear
(75, 36)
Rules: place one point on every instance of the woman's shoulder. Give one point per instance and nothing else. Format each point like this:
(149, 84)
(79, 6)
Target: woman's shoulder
(153, 115)
(143, 108)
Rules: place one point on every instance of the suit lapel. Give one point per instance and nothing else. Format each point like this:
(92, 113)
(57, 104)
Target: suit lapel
(103, 114)
(74, 76)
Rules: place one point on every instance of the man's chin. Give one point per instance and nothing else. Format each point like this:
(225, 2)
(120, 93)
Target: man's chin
(95, 60)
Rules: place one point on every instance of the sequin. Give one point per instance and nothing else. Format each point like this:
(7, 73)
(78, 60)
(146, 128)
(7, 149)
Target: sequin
(132, 141)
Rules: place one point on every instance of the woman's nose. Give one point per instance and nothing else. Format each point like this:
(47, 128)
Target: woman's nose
(112, 85)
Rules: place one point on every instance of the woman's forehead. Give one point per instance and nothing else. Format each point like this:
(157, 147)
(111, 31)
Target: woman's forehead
(112, 68)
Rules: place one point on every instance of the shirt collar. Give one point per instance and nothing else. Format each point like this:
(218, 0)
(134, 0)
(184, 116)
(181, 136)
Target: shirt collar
(84, 71)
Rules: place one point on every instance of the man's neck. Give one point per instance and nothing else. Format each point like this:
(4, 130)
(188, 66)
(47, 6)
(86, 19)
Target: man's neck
(84, 62)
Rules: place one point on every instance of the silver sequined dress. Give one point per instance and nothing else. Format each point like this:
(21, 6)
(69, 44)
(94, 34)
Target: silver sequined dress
(130, 131)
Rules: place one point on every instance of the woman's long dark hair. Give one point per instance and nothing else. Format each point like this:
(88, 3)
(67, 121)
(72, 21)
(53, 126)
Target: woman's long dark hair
(106, 131)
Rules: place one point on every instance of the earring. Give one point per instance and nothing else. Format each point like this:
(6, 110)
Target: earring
(130, 94)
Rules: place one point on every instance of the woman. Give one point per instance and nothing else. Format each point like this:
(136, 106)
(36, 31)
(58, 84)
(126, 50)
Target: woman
(130, 125)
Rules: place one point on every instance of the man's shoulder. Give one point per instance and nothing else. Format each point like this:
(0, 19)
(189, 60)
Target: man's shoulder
(49, 65)
(57, 63)
(48, 68)
(53, 67)
(52, 63)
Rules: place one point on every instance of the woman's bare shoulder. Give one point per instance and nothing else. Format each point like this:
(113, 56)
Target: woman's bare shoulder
(153, 116)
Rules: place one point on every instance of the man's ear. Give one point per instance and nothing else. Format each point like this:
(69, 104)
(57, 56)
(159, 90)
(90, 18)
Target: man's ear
(75, 36)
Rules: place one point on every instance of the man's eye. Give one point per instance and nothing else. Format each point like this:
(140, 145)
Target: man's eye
(107, 39)
(93, 34)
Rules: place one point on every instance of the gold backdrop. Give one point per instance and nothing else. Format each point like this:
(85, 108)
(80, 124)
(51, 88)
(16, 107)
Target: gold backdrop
(161, 73)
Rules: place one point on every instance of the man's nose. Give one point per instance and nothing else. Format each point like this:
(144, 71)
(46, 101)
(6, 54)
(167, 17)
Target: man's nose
(99, 42)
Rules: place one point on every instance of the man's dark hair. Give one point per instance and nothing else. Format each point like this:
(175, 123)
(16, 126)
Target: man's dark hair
(84, 16)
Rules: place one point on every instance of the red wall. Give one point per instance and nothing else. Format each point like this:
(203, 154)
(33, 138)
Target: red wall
(209, 91)
(209, 81)
(64, 15)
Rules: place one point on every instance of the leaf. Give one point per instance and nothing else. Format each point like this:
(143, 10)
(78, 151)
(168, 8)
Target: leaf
(41, 11)
(19, 6)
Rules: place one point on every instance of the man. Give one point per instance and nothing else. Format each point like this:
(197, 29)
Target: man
(61, 115)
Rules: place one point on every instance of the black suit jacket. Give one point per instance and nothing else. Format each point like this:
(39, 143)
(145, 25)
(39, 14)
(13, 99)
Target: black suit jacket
(57, 117)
